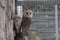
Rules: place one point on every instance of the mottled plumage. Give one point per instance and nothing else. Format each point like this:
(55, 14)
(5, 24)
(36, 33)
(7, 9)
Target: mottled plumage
(23, 30)
(25, 24)
(26, 21)
(17, 24)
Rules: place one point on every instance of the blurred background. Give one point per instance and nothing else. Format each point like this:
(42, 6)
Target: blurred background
(43, 22)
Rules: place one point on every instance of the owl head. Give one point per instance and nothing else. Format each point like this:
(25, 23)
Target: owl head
(28, 13)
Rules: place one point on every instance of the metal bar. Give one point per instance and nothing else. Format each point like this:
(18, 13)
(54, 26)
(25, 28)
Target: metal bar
(56, 21)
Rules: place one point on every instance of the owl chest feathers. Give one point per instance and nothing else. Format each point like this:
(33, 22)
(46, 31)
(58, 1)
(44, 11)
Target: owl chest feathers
(26, 22)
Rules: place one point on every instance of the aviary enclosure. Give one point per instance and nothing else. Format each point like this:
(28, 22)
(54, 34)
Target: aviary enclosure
(45, 24)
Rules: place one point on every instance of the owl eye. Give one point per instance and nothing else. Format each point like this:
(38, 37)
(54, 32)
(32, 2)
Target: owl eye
(27, 13)
(30, 13)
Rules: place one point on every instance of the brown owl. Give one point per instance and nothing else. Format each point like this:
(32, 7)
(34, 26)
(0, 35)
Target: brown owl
(17, 21)
(26, 21)
(25, 25)
(17, 24)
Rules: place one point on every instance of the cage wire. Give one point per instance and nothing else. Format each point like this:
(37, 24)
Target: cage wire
(43, 21)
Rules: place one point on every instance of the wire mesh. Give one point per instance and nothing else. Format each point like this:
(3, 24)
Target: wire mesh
(43, 22)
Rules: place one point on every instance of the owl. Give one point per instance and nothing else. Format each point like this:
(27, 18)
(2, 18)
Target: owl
(26, 21)
(23, 28)
(16, 26)
(17, 23)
